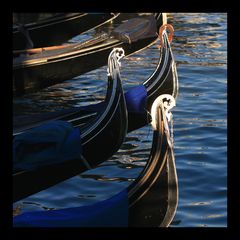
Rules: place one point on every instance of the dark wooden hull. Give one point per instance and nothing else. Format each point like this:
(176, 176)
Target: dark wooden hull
(32, 74)
(30, 78)
(58, 29)
(150, 201)
(164, 80)
(100, 139)
(153, 197)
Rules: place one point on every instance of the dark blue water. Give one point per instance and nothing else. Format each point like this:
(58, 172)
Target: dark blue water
(200, 48)
(200, 125)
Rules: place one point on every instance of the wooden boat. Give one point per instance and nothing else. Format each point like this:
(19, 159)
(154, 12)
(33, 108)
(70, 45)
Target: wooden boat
(163, 80)
(153, 197)
(55, 29)
(150, 201)
(35, 69)
(97, 140)
(139, 99)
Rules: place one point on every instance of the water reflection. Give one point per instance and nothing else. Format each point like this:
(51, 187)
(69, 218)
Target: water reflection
(102, 178)
(204, 40)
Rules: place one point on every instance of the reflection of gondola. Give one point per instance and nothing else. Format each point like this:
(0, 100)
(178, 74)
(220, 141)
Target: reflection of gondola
(156, 187)
(98, 139)
(34, 69)
(56, 28)
(139, 99)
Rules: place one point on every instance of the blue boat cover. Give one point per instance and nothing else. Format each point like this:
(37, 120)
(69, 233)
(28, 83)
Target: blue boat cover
(50, 143)
(136, 99)
(63, 143)
(112, 212)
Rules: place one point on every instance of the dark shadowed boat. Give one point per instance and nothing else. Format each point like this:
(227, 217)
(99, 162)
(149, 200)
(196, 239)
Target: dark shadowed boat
(150, 201)
(35, 69)
(139, 99)
(42, 30)
(57, 150)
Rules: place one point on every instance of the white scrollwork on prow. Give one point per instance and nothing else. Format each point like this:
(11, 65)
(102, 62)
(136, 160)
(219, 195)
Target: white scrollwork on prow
(166, 102)
(117, 54)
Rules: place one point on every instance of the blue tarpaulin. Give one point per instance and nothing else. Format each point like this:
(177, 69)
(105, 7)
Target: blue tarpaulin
(50, 143)
(112, 212)
(136, 99)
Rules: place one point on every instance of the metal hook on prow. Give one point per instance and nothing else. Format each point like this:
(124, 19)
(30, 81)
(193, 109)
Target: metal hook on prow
(164, 27)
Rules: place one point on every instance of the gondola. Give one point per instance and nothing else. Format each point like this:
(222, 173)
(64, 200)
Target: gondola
(139, 100)
(55, 29)
(36, 69)
(163, 80)
(150, 201)
(41, 161)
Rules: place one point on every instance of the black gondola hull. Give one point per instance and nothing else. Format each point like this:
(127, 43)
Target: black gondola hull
(150, 201)
(153, 197)
(101, 137)
(164, 80)
(97, 150)
(30, 78)
(58, 29)
(48, 66)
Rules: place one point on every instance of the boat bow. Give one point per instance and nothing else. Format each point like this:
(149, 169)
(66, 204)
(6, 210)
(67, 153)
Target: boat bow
(101, 137)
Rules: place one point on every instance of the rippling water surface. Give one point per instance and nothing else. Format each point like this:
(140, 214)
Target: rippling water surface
(200, 125)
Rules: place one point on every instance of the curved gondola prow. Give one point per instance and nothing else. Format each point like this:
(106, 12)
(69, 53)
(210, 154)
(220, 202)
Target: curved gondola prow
(114, 130)
(156, 186)
(163, 80)
(113, 88)
(99, 141)
(148, 202)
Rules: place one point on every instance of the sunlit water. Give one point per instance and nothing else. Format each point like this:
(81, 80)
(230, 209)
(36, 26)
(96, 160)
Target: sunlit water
(200, 125)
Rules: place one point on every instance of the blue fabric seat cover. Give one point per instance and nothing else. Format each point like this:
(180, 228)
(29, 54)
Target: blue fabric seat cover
(112, 212)
(50, 143)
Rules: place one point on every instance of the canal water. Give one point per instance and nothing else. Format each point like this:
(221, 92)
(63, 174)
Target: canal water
(200, 125)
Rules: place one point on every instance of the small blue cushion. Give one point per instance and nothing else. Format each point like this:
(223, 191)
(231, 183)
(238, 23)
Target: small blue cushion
(136, 99)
